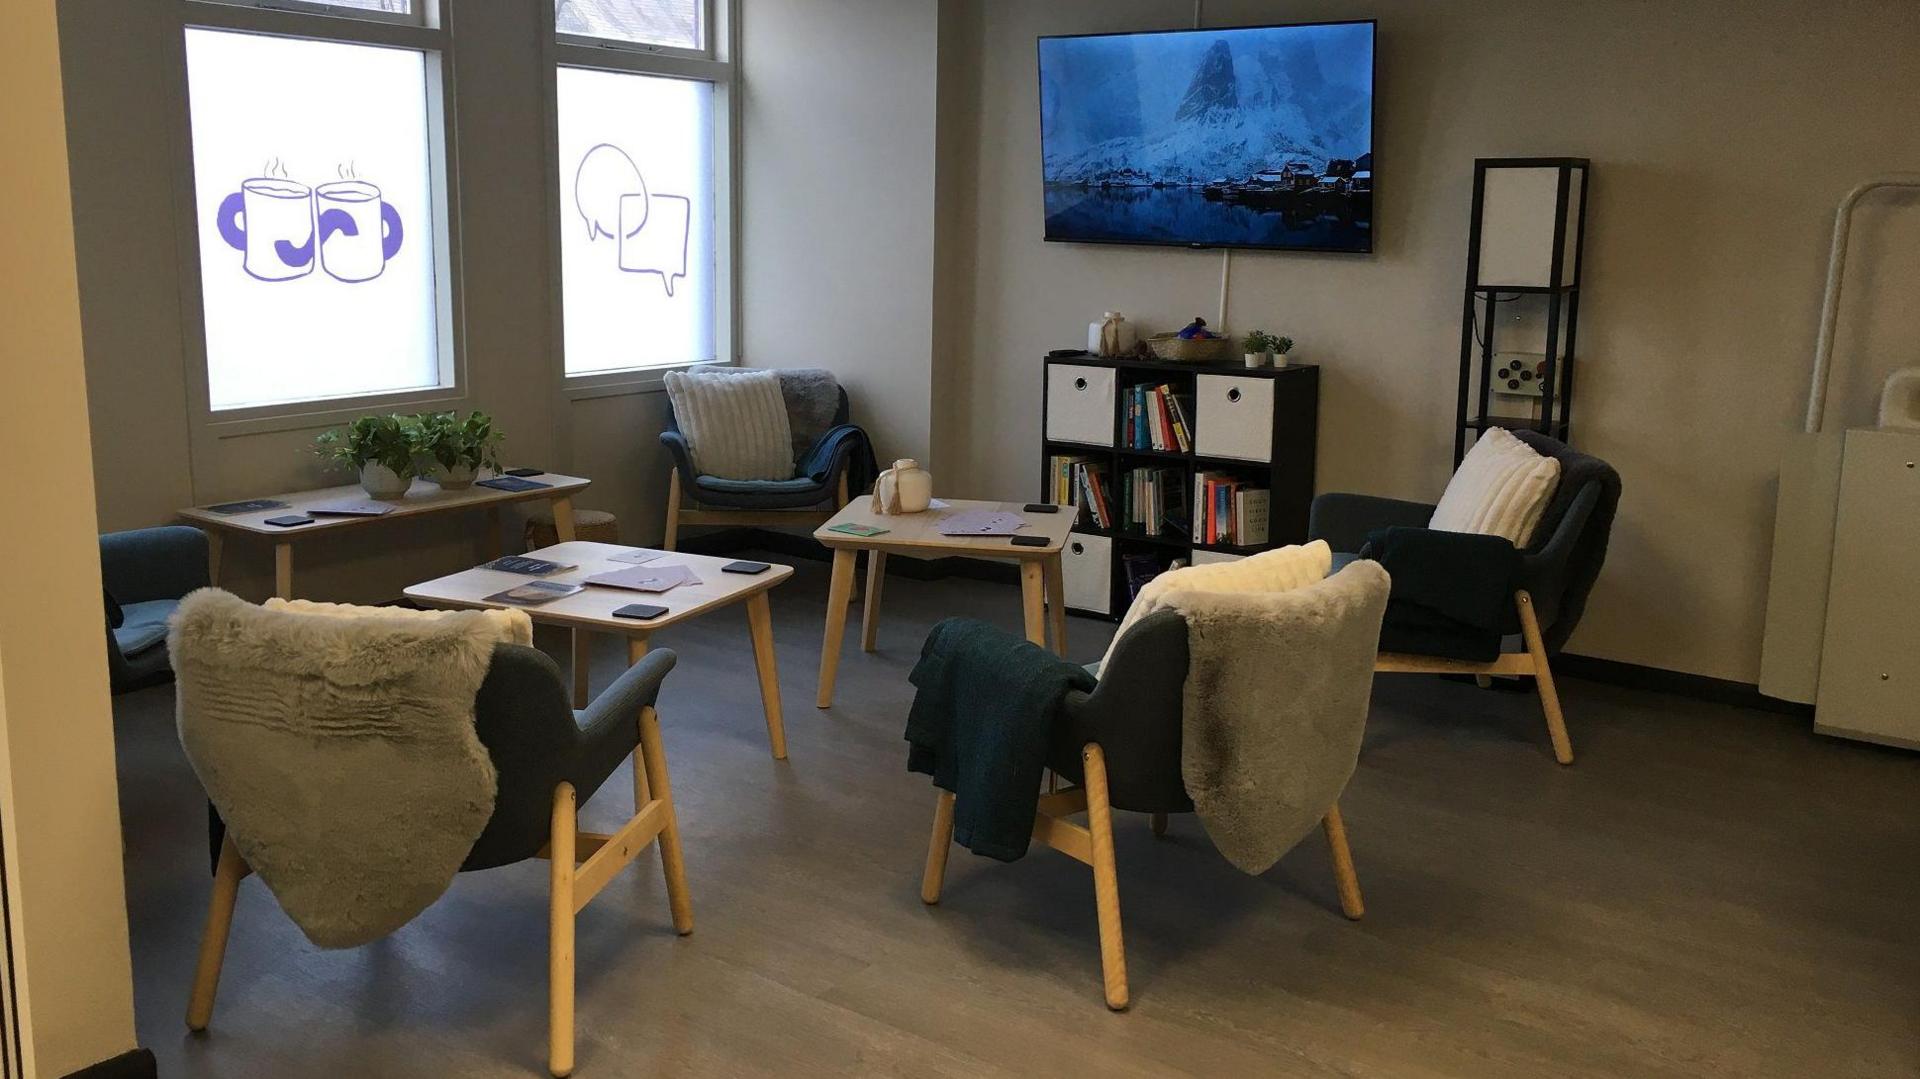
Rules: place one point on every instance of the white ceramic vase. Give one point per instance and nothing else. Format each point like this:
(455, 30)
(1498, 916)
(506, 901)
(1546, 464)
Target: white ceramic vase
(904, 488)
(458, 478)
(379, 481)
(1259, 359)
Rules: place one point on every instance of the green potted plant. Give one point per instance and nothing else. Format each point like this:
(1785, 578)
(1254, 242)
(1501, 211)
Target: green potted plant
(450, 450)
(1282, 346)
(1258, 347)
(379, 448)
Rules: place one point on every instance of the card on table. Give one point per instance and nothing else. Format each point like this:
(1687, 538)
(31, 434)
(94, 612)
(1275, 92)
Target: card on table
(251, 505)
(981, 523)
(853, 529)
(532, 567)
(534, 593)
(512, 483)
(650, 578)
(639, 556)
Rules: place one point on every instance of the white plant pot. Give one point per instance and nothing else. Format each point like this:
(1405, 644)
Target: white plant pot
(458, 478)
(1259, 359)
(379, 481)
(1282, 359)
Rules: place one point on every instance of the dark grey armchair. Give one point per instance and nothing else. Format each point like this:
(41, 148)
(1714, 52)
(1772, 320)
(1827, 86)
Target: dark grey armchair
(1555, 576)
(826, 473)
(1120, 748)
(145, 573)
(549, 759)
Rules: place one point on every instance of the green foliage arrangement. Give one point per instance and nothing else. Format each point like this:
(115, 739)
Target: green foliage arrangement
(451, 441)
(1282, 345)
(1258, 341)
(381, 440)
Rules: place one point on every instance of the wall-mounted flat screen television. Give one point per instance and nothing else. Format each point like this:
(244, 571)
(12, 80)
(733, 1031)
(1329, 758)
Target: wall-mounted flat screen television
(1249, 137)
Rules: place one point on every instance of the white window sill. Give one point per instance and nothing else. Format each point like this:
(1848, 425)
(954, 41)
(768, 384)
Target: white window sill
(628, 382)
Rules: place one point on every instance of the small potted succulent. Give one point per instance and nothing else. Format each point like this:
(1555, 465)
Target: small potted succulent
(1258, 347)
(379, 448)
(450, 450)
(1282, 346)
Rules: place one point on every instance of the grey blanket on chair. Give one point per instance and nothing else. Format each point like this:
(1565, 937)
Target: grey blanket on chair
(813, 397)
(1274, 706)
(340, 751)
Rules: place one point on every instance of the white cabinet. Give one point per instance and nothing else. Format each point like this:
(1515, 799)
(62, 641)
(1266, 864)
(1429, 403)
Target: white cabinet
(1080, 404)
(1234, 417)
(1086, 571)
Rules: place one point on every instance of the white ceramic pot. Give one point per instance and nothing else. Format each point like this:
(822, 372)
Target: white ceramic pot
(458, 478)
(1282, 359)
(379, 481)
(904, 488)
(1259, 359)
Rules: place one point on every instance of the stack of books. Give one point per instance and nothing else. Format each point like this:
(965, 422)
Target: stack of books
(1229, 511)
(1082, 482)
(1154, 501)
(1159, 419)
(1139, 568)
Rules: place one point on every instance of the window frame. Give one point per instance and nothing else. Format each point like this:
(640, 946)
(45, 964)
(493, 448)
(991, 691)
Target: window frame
(713, 65)
(287, 19)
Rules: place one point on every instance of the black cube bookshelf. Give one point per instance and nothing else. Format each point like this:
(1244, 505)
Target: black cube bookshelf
(1258, 425)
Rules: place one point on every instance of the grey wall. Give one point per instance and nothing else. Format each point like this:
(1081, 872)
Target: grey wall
(1722, 135)
(837, 155)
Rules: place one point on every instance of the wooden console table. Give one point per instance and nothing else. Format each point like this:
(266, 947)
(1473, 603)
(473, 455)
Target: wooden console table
(423, 498)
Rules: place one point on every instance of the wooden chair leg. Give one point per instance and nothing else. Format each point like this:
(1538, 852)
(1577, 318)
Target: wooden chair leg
(1106, 883)
(673, 511)
(937, 848)
(1543, 679)
(1159, 824)
(562, 831)
(672, 862)
(870, 618)
(213, 942)
(1344, 878)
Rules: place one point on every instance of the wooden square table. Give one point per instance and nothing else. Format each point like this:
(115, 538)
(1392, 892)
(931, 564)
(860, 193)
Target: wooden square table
(591, 610)
(421, 499)
(917, 535)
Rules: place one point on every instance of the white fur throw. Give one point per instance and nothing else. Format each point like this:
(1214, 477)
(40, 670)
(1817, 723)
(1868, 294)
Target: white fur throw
(1269, 571)
(735, 422)
(1500, 489)
(339, 749)
(1274, 706)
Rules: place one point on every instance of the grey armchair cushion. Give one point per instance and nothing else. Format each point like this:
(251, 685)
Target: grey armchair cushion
(821, 453)
(143, 625)
(1135, 713)
(144, 573)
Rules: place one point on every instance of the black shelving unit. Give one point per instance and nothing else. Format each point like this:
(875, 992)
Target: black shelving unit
(1272, 447)
(1561, 294)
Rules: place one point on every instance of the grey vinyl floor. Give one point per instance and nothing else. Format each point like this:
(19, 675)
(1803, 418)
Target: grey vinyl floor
(1708, 891)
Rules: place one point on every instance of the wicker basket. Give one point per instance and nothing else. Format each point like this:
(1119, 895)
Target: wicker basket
(1171, 346)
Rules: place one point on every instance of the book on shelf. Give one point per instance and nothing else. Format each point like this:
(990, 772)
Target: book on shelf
(1157, 419)
(1155, 501)
(1140, 567)
(1230, 511)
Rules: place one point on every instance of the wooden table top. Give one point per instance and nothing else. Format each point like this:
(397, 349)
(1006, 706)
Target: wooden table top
(593, 607)
(423, 497)
(919, 533)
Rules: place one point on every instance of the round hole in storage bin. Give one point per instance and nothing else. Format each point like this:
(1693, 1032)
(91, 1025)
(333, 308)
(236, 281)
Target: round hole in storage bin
(1079, 548)
(1234, 395)
(1079, 383)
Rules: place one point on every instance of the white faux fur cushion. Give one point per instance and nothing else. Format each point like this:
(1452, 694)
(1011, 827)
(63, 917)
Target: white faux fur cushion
(510, 625)
(1279, 570)
(735, 422)
(1500, 489)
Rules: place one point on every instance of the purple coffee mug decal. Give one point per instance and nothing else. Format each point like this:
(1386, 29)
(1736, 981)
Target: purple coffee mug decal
(270, 221)
(358, 232)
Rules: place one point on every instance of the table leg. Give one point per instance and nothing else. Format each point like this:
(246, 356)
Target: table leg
(637, 651)
(1032, 585)
(563, 519)
(283, 570)
(836, 623)
(870, 618)
(214, 541)
(1057, 605)
(490, 539)
(582, 665)
(760, 622)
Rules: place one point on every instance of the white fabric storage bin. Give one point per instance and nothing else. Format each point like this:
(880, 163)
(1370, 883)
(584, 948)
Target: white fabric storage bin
(1086, 571)
(1080, 404)
(1234, 417)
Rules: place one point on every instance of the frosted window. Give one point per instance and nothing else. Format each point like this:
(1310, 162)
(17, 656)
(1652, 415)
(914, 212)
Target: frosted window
(636, 220)
(313, 188)
(673, 23)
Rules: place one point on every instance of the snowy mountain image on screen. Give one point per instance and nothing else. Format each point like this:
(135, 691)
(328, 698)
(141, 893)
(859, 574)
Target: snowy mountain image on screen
(1265, 120)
